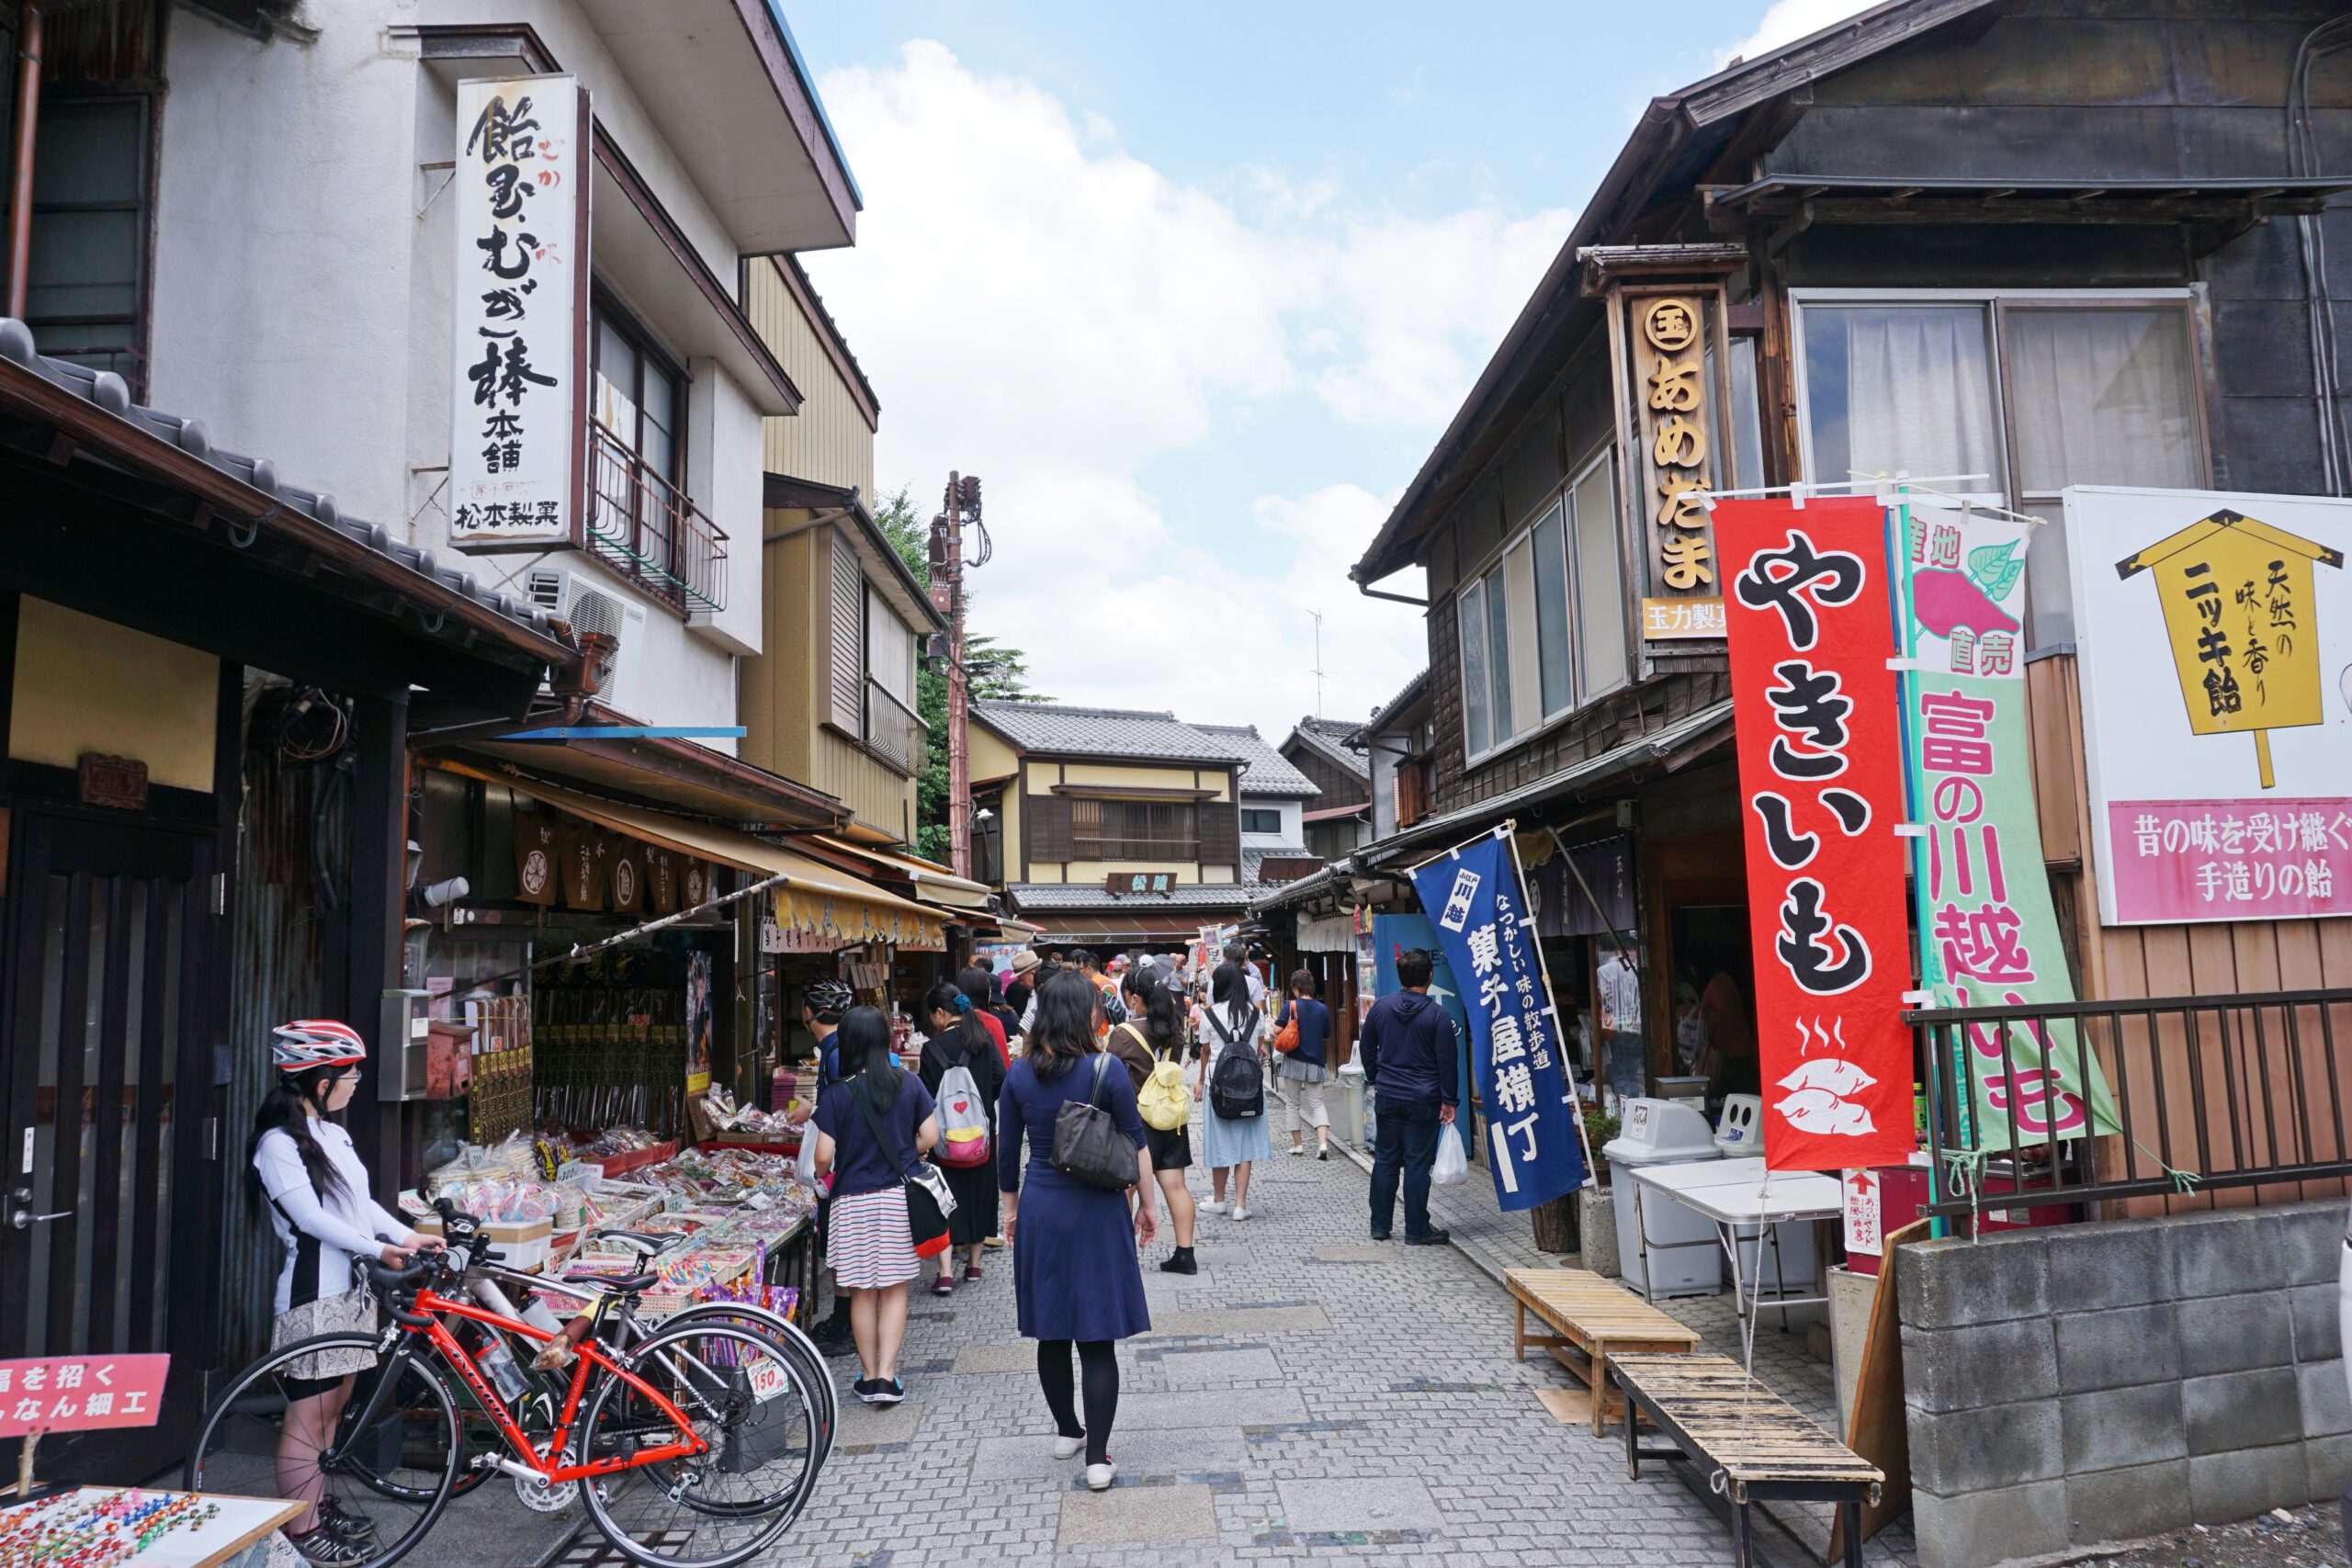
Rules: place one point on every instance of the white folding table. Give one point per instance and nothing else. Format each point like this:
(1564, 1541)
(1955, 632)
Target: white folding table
(1741, 1195)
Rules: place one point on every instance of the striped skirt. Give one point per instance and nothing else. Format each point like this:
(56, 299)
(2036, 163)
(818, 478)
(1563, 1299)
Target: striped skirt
(867, 1244)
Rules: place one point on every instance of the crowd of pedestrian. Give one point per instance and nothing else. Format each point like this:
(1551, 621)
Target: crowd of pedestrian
(1013, 1131)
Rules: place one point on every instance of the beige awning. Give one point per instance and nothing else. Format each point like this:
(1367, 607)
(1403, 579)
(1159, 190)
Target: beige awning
(933, 884)
(820, 905)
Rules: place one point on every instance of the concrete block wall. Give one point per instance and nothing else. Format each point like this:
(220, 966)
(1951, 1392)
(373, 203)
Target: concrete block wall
(2093, 1383)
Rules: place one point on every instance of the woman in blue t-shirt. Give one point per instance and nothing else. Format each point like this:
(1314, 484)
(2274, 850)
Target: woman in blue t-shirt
(870, 1248)
(1302, 1070)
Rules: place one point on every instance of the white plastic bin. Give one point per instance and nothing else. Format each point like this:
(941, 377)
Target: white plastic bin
(1664, 1249)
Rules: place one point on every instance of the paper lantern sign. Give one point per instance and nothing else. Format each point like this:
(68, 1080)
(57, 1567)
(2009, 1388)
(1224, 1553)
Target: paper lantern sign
(536, 852)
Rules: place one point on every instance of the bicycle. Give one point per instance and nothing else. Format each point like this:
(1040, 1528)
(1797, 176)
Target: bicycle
(673, 1442)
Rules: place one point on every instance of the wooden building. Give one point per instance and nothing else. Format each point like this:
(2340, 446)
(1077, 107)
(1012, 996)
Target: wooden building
(2043, 242)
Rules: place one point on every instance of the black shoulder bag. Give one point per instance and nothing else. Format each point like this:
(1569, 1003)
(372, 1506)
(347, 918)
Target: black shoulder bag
(928, 1202)
(1088, 1144)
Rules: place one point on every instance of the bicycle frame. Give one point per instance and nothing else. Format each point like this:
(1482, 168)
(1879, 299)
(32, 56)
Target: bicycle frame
(432, 1307)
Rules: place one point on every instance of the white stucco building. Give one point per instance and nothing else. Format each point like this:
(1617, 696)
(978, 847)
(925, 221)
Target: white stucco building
(287, 235)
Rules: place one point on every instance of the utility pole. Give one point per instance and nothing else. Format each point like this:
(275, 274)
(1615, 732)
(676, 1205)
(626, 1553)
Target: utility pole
(959, 508)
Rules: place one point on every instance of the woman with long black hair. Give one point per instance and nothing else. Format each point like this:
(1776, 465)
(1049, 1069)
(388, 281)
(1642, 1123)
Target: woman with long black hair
(1074, 1267)
(870, 1247)
(1230, 1023)
(330, 1226)
(959, 1038)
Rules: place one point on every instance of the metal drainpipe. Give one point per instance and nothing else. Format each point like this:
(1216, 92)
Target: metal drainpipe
(20, 189)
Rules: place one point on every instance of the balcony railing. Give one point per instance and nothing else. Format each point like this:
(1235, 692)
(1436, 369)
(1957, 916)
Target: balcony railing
(895, 730)
(646, 528)
(2238, 1090)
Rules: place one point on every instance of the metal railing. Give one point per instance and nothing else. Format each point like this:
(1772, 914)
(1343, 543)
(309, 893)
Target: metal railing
(894, 729)
(646, 528)
(2203, 1092)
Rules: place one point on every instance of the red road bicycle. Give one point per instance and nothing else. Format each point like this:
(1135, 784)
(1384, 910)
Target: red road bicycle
(693, 1448)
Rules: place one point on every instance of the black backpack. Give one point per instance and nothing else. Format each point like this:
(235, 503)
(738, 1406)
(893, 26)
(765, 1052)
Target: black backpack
(1237, 1084)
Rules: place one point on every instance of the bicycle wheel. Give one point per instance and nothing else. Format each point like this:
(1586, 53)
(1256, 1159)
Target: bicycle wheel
(383, 1479)
(815, 1376)
(741, 1396)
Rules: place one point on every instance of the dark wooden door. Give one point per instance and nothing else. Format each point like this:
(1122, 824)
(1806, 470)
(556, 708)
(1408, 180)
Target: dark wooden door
(114, 1186)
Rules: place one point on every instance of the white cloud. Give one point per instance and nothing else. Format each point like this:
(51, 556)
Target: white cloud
(1035, 303)
(1789, 20)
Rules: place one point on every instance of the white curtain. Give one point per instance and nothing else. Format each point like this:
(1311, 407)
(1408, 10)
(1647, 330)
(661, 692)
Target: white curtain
(1918, 393)
(889, 649)
(2102, 398)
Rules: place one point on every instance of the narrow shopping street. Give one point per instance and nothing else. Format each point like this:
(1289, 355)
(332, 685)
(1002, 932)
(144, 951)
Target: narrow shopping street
(1310, 1396)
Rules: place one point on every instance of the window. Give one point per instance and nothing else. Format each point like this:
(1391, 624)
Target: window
(2098, 390)
(83, 296)
(1260, 822)
(637, 396)
(1136, 829)
(871, 684)
(1544, 627)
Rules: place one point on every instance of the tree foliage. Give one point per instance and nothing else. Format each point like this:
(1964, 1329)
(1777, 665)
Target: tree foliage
(998, 672)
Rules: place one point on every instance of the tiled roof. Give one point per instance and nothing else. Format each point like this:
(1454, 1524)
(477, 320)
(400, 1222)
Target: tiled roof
(1266, 770)
(449, 578)
(1410, 694)
(1323, 736)
(1211, 895)
(1059, 729)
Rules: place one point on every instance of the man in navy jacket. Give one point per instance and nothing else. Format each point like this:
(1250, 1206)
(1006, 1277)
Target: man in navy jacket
(1407, 1054)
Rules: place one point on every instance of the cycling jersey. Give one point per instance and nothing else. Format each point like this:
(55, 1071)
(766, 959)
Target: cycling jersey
(320, 1235)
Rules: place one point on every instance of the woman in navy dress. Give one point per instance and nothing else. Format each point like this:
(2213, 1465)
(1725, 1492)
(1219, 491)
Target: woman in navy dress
(1074, 1270)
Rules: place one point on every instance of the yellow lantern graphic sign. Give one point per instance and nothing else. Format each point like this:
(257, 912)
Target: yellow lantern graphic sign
(2237, 598)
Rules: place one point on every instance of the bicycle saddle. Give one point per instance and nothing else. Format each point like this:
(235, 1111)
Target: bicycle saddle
(627, 1284)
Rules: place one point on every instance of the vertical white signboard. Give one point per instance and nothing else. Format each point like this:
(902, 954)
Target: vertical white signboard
(521, 201)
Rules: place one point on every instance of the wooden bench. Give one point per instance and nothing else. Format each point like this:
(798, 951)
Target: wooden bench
(1596, 1319)
(1725, 1424)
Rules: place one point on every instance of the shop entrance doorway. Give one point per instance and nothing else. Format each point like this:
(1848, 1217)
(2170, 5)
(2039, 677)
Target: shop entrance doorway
(112, 1187)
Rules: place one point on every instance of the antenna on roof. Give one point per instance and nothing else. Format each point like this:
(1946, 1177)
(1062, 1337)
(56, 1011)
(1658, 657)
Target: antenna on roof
(1318, 661)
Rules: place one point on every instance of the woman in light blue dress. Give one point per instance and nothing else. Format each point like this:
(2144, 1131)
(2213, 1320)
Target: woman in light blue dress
(1230, 1022)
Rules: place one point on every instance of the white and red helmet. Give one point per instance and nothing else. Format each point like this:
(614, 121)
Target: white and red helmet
(307, 1043)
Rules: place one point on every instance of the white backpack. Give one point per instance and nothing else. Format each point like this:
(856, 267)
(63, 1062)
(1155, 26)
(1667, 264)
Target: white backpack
(963, 1120)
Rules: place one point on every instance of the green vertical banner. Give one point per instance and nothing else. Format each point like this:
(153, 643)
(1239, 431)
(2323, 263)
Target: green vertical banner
(1988, 934)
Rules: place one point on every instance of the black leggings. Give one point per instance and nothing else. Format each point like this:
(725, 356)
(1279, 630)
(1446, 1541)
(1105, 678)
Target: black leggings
(1102, 1370)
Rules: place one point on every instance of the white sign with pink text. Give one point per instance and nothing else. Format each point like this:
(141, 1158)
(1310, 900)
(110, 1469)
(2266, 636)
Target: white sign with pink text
(2213, 635)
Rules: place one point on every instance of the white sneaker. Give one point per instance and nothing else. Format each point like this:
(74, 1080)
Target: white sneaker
(1068, 1447)
(1098, 1476)
(1298, 1149)
(1242, 1213)
(1215, 1207)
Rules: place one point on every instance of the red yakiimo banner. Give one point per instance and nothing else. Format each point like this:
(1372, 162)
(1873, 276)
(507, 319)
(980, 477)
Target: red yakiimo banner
(1810, 627)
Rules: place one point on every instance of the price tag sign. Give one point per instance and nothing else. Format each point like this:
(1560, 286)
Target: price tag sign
(768, 1380)
(80, 1394)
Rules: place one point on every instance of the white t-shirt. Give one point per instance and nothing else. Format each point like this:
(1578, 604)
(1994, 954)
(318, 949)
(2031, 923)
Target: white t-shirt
(320, 1235)
(1208, 1034)
(1620, 995)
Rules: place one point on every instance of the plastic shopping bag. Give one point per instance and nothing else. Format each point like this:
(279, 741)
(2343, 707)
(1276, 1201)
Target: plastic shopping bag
(1452, 1167)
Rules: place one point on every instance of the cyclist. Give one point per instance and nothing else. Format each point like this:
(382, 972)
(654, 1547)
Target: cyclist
(319, 1206)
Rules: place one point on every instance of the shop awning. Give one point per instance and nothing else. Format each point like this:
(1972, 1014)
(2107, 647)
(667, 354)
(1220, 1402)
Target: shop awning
(933, 883)
(1107, 928)
(821, 905)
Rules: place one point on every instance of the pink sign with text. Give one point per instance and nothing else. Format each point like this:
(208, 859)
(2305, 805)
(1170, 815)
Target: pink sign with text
(80, 1394)
(2203, 860)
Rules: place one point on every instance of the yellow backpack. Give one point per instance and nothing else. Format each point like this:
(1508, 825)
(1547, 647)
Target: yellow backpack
(1164, 1102)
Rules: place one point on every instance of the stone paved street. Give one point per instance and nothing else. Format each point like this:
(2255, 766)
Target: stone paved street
(1308, 1397)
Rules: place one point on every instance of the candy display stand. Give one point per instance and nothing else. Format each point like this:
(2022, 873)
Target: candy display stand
(217, 1530)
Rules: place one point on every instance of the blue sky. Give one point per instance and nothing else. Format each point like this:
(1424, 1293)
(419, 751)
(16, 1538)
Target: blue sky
(1197, 288)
